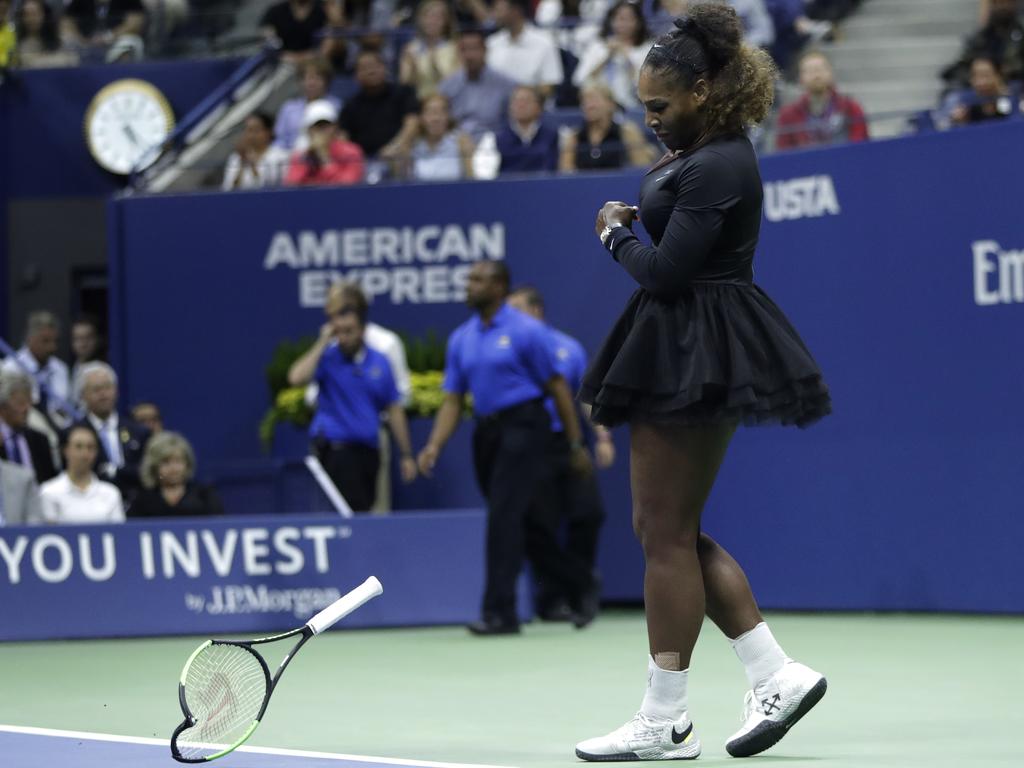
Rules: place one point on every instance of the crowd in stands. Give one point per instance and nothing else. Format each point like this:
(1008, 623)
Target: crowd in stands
(69, 455)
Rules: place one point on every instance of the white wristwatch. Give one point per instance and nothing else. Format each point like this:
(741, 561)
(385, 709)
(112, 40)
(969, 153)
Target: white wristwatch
(606, 233)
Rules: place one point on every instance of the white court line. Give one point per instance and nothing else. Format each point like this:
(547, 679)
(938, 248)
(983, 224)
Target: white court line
(28, 730)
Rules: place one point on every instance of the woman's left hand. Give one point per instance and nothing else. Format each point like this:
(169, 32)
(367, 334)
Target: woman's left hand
(615, 212)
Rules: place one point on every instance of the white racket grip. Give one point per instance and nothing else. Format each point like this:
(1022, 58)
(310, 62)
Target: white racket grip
(344, 605)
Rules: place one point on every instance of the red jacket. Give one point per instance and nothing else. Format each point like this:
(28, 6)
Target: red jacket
(344, 167)
(842, 121)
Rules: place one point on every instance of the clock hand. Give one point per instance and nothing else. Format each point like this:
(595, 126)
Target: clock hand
(127, 129)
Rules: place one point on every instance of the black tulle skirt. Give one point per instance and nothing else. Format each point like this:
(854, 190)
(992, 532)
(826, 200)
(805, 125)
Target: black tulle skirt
(722, 352)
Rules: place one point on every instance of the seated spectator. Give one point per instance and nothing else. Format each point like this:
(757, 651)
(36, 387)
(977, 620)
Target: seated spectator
(822, 115)
(1001, 40)
(602, 142)
(19, 494)
(526, 143)
(441, 152)
(617, 55)
(477, 95)
(758, 27)
(356, 387)
(522, 52)
(51, 382)
(116, 26)
(167, 486)
(793, 29)
(39, 45)
(429, 57)
(295, 23)
(575, 24)
(19, 443)
(315, 78)
(148, 415)
(382, 116)
(988, 98)
(8, 36)
(334, 48)
(76, 496)
(256, 162)
(121, 442)
(86, 347)
(329, 159)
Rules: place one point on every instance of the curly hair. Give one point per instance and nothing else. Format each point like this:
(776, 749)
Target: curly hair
(708, 42)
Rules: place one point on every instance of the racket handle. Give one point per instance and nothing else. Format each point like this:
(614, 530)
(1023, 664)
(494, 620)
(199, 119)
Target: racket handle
(343, 606)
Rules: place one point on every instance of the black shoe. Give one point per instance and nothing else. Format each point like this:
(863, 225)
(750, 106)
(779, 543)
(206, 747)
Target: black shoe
(558, 610)
(490, 625)
(589, 604)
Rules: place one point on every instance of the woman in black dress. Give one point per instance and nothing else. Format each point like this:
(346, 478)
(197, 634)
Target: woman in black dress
(699, 350)
(168, 488)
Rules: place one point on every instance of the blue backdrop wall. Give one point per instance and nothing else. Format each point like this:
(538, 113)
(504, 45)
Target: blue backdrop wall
(900, 262)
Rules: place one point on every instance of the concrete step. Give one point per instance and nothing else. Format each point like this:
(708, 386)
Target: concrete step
(951, 9)
(885, 27)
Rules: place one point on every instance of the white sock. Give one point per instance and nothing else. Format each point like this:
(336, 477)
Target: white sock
(760, 654)
(666, 692)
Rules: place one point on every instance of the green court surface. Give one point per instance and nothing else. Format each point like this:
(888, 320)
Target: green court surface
(903, 691)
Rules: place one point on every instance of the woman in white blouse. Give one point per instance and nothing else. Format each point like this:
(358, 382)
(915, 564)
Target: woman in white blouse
(76, 496)
(441, 151)
(615, 57)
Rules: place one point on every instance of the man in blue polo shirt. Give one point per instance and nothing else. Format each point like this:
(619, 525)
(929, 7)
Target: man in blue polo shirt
(503, 358)
(568, 580)
(356, 386)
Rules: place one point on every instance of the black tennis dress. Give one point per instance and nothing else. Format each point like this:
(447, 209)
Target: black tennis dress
(699, 342)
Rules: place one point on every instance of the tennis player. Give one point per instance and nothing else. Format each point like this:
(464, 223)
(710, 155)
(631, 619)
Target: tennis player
(698, 350)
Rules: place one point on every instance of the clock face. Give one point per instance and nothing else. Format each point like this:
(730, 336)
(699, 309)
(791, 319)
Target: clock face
(126, 120)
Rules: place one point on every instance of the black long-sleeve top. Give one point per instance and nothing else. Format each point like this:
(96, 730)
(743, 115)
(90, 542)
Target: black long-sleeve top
(703, 212)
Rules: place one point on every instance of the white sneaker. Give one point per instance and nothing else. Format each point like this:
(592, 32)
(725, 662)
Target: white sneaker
(644, 738)
(773, 707)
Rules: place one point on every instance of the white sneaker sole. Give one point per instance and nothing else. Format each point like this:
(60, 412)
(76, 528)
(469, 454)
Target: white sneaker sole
(769, 733)
(688, 752)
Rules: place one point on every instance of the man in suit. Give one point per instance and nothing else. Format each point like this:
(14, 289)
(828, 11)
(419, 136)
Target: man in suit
(122, 442)
(19, 496)
(19, 443)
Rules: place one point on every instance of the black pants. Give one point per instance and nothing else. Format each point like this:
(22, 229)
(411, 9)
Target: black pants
(352, 468)
(563, 496)
(508, 455)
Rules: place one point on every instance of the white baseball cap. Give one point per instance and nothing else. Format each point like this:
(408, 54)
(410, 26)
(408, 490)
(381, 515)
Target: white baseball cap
(319, 111)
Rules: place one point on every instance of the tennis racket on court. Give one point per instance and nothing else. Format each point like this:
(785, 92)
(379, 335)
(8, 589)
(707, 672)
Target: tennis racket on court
(226, 685)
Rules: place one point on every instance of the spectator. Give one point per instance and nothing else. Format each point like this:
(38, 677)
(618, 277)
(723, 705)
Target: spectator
(822, 115)
(148, 415)
(616, 56)
(522, 52)
(115, 26)
(50, 385)
(8, 36)
(356, 386)
(39, 44)
(295, 23)
(19, 443)
(1001, 40)
(329, 159)
(381, 117)
(442, 152)
(429, 57)
(256, 161)
(575, 23)
(793, 29)
(988, 99)
(758, 28)
(76, 496)
(121, 441)
(289, 129)
(603, 142)
(477, 95)
(167, 486)
(19, 494)
(86, 346)
(526, 143)
(334, 47)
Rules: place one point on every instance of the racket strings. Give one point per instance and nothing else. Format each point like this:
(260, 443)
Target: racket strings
(225, 686)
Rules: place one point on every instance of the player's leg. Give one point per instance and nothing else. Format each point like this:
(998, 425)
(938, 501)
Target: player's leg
(781, 690)
(672, 470)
